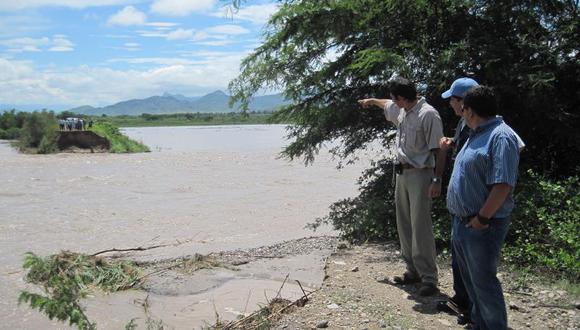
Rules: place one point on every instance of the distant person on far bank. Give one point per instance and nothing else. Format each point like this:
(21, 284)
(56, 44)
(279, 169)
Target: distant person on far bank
(480, 198)
(418, 179)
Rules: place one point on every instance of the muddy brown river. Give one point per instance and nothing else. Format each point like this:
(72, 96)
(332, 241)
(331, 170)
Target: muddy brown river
(200, 190)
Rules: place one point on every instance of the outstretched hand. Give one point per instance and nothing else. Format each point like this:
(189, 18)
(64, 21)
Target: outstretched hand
(365, 103)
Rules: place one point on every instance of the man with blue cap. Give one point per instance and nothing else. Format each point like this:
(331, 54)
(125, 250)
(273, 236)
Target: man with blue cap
(459, 303)
(480, 198)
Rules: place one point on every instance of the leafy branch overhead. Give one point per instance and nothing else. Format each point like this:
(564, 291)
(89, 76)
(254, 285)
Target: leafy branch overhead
(324, 55)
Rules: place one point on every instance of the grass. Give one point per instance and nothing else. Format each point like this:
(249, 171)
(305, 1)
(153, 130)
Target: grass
(119, 142)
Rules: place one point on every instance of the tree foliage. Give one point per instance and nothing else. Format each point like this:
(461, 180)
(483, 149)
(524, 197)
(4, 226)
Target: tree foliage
(326, 54)
(39, 131)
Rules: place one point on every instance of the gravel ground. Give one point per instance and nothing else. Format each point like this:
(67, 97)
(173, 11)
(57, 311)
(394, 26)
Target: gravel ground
(353, 297)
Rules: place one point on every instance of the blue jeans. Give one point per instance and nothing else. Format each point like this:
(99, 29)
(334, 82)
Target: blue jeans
(477, 257)
(461, 298)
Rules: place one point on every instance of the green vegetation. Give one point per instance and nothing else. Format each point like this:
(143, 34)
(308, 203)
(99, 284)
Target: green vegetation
(68, 277)
(36, 131)
(39, 133)
(11, 124)
(189, 119)
(324, 55)
(119, 142)
(546, 226)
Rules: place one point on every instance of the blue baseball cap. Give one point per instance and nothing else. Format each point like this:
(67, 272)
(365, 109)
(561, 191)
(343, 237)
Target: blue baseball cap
(459, 88)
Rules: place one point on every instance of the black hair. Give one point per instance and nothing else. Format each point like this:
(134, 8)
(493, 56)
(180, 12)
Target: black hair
(482, 101)
(400, 86)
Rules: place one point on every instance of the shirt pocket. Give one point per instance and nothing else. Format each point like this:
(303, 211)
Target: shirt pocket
(415, 138)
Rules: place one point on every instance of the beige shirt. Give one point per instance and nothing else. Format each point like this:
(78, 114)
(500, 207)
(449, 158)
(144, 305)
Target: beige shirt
(418, 132)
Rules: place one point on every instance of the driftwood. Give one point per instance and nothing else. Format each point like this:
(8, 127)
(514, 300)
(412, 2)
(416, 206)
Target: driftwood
(239, 324)
(140, 248)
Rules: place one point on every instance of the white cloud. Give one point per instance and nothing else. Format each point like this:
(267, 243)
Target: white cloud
(227, 29)
(215, 43)
(128, 16)
(22, 83)
(257, 14)
(162, 24)
(6, 5)
(181, 7)
(153, 60)
(152, 34)
(179, 34)
(59, 43)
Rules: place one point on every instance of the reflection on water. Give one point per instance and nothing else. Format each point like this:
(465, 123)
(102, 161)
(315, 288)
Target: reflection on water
(211, 138)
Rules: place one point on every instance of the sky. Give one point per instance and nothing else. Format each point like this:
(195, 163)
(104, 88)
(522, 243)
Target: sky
(67, 53)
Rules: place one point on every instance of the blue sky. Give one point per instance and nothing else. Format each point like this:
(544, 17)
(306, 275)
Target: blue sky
(64, 53)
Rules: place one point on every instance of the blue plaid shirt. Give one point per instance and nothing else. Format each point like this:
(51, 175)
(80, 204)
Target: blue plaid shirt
(490, 156)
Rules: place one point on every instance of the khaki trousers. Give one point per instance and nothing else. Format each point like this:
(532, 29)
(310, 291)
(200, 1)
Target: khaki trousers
(414, 223)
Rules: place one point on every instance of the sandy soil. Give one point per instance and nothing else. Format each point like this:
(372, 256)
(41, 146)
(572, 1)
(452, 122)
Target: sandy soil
(352, 298)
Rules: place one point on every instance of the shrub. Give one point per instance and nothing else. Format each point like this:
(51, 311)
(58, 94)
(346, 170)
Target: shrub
(545, 225)
(11, 133)
(39, 132)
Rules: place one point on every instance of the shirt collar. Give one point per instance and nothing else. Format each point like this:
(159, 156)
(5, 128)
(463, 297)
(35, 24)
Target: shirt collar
(488, 125)
(417, 106)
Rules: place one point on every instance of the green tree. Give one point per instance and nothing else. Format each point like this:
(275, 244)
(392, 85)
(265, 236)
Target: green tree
(39, 131)
(324, 55)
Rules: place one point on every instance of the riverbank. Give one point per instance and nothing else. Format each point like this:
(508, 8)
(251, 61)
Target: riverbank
(355, 295)
(189, 119)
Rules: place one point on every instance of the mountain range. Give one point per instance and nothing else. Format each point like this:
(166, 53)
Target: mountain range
(175, 103)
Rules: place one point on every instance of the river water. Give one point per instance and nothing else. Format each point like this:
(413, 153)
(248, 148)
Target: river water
(206, 189)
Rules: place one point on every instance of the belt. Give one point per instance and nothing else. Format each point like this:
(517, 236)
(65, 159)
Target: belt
(407, 166)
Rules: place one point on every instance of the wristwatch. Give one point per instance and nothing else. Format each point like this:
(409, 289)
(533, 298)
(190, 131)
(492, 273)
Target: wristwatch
(436, 179)
(483, 220)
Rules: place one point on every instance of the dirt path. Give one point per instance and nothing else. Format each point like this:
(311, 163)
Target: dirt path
(352, 298)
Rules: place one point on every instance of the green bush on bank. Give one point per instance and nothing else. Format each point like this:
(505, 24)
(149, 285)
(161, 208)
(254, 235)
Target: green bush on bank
(545, 225)
(119, 142)
(39, 133)
(12, 133)
(543, 233)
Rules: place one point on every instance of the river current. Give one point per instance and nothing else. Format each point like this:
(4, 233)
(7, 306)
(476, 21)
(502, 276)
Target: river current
(210, 189)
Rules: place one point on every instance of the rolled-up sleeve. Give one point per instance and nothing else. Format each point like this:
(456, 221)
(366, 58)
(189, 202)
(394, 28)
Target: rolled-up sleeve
(505, 158)
(392, 112)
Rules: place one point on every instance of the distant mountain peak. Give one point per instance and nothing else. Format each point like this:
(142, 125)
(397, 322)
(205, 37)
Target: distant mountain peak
(217, 101)
(217, 93)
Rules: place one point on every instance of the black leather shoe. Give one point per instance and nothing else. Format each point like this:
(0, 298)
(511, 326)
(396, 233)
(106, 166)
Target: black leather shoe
(427, 289)
(463, 319)
(406, 279)
(443, 306)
